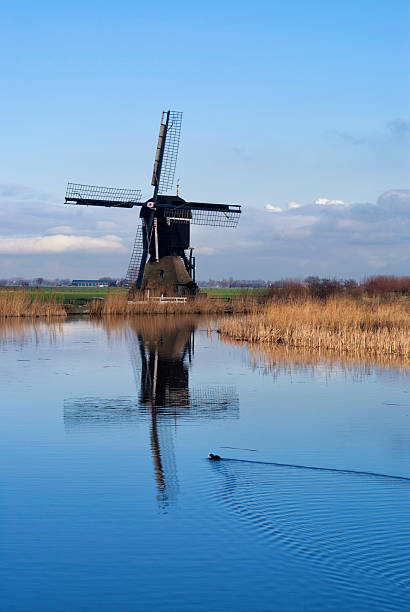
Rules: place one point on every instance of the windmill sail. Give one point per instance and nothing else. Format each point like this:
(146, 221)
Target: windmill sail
(136, 257)
(216, 215)
(158, 153)
(216, 218)
(93, 195)
(167, 164)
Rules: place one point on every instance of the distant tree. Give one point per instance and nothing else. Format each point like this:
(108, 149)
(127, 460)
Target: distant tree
(322, 288)
(386, 285)
(39, 281)
(352, 288)
(287, 289)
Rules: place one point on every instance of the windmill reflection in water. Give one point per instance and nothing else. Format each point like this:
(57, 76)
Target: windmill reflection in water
(162, 352)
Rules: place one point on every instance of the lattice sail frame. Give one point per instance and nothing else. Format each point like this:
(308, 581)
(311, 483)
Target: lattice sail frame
(76, 191)
(136, 257)
(204, 401)
(169, 159)
(138, 253)
(214, 218)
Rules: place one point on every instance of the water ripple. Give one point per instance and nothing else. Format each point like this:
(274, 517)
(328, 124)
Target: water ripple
(352, 525)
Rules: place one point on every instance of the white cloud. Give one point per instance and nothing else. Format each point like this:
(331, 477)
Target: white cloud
(295, 227)
(395, 201)
(59, 243)
(327, 202)
(293, 205)
(272, 208)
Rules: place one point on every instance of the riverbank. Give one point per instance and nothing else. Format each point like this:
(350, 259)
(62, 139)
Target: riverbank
(365, 326)
(338, 324)
(117, 303)
(96, 301)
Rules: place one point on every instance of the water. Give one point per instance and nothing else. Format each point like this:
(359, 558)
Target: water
(109, 503)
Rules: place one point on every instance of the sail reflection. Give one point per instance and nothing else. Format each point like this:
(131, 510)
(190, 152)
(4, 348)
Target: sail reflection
(162, 351)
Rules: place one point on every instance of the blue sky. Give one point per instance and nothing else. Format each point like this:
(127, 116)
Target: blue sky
(283, 102)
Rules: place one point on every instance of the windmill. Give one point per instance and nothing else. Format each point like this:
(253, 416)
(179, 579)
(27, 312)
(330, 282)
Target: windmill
(162, 257)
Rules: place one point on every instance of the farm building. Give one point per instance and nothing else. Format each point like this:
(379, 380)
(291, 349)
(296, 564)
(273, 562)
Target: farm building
(94, 283)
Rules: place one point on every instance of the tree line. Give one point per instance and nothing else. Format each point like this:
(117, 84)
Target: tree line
(322, 288)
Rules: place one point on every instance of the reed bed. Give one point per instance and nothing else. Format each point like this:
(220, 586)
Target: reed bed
(24, 303)
(117, 303)
(339, 324)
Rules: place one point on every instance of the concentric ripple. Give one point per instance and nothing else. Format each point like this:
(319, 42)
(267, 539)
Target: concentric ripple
(353, 527)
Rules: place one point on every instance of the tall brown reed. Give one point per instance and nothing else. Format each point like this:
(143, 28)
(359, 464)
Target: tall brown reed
(26, 303)
(340, 324)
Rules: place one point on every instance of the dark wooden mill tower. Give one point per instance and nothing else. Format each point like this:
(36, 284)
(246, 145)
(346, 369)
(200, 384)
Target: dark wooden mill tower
(163, 237)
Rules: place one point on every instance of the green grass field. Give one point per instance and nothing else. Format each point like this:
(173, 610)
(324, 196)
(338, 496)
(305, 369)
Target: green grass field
(80, 295)
(75, 294)
(230, 292)
(70, 295)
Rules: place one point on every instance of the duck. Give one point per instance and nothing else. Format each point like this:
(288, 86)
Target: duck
(213, 457)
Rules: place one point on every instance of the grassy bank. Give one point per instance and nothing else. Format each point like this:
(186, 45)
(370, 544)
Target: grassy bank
(116, 303)
(82, 295)
(231, 292)
(50, 301)
(339, 324)
(74, 295)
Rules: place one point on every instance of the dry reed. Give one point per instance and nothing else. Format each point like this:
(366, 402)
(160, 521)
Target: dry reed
(25, 303)
(340, 324)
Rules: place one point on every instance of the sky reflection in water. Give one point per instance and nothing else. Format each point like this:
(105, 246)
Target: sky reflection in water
(109, 503)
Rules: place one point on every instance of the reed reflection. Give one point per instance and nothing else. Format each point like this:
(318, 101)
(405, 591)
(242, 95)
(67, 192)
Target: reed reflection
(162, 352)
(22, 331)
(275, 360)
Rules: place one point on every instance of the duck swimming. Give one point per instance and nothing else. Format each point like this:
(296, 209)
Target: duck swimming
(213, 457)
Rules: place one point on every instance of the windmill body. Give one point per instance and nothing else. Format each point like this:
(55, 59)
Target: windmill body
(162, 258)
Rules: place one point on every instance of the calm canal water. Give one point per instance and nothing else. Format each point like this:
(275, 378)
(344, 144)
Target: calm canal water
(108, 502)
